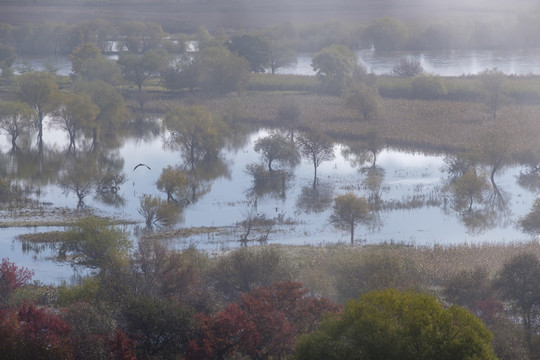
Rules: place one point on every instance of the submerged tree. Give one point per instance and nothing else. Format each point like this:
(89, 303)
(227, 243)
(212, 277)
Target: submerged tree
(16, 118)
(349, 210)
(75, 113)
(172, 182)
(317, 148)
(196, 131)
(157, 211)
(40, 90)
(275, 147)
(112, 111)
(95, 243)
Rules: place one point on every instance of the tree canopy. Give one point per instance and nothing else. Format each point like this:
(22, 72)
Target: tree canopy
(389, 324)
(333, 65)
(349, 210)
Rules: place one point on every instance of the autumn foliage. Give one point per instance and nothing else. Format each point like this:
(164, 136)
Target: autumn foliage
(265, 323)
(12, 277)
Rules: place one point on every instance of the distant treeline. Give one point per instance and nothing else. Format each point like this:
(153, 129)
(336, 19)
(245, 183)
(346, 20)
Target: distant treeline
(382, 34)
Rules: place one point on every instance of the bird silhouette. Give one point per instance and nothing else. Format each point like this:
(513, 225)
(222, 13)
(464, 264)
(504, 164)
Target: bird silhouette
(141, 164)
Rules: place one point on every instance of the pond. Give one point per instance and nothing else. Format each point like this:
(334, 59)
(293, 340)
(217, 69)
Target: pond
(444, 63)
(408, 184)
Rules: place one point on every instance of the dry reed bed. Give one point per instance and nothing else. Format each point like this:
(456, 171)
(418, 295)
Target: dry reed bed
(435, 264)
(420, 124)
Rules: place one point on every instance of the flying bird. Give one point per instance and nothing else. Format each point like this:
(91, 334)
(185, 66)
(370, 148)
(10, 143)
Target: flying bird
(141, 164)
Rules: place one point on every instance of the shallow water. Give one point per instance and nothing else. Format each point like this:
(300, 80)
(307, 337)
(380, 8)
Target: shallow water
(406, 176)
(444, 63)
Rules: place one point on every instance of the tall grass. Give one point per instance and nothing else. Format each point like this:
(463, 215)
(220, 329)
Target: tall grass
(281, 82)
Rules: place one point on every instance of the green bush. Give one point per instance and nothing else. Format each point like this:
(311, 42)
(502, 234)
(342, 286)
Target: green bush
(428, 88)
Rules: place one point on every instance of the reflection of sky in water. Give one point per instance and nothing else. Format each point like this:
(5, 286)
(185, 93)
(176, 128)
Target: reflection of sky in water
(406, 175)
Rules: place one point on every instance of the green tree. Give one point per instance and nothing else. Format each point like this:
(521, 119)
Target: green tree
(519, 283)
(138, 68)
(95, 243)
(365, 100)
(103, 69)
(172, 182)
(7, 58)
(276, 148)
(494, 149)
(40, 90)
(334, 65)
(349, 210)
(139, 37)
(317, 148)
(469, 187)
(389, 324)
(155, 210)
(468, 288)
(81, 54)
(386, 34)
(195, 130)
(492, 82)
(112, 110)
(218, 70)
(254, 48)
(75, 112)
(16, 118)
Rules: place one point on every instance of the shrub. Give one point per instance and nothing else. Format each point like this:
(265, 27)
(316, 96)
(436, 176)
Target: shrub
(394, 325)
(245, 268)
(428, 88)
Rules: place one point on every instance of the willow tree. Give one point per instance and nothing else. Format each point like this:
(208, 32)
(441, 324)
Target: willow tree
(194, 129)
(16, 118)
(75, 112)
(112, 110)
(39, 90)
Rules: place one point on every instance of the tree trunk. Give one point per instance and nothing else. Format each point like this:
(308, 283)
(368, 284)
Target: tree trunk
(352, 233)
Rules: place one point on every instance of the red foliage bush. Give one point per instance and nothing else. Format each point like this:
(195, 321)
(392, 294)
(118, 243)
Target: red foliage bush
(265, 323)
(12, 277)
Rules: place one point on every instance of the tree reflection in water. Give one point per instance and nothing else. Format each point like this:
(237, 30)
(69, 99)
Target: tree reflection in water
(479, 203)
(315, 199)
(265, 182)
